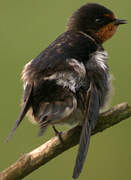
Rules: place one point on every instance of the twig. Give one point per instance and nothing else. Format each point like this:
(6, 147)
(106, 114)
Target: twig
(29, 162)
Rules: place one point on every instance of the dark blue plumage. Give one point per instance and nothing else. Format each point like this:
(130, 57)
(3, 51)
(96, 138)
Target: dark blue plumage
(69, 81)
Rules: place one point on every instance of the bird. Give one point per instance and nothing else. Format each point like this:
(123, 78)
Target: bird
(69, 81)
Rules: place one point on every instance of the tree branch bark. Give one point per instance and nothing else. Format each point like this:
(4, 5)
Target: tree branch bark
(29, 162)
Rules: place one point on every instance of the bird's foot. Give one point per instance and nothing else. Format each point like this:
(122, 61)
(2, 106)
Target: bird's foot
(58, 133)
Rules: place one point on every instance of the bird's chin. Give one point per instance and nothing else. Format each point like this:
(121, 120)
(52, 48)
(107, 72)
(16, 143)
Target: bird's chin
(105, 33)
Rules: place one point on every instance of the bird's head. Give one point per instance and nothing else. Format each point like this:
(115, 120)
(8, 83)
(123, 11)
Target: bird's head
(96, 21)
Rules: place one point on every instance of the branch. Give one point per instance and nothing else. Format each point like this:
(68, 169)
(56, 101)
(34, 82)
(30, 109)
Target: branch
(29, 162)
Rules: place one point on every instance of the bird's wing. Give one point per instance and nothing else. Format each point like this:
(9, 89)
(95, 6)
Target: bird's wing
(25, 107)
(69, 45)
(91, 116)
(57, 93)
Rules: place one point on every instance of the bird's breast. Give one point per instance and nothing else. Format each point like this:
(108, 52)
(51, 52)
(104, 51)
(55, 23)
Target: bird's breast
(98, 72)
(98, 61)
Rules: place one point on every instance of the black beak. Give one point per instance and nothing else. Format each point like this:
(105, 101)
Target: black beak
(120, 21)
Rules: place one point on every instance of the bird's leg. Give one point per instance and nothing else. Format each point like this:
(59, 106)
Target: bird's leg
(57, 133)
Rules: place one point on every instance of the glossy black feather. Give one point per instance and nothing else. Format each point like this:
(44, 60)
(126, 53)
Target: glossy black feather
(25, 108)
(69, 45)
(91, 117)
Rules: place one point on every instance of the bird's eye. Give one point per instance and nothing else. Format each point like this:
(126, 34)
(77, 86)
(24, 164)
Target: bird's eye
(98, 20)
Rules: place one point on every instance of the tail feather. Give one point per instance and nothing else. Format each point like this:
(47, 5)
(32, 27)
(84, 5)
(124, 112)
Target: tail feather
(43, 124)
(24, 110)
(91, 115)
(82, 152)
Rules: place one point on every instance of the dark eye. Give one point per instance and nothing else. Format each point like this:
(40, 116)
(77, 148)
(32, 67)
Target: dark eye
(98, 21)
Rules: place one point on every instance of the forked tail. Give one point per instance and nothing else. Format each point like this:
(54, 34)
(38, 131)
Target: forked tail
(25, 107)
(90, 121)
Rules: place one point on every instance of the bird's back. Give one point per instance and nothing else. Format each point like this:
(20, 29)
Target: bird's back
(67, 46)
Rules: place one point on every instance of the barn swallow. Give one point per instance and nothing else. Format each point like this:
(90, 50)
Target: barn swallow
(69, 81)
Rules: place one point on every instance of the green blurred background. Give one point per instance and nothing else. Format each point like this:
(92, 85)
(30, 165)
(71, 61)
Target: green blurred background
(26, 28)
